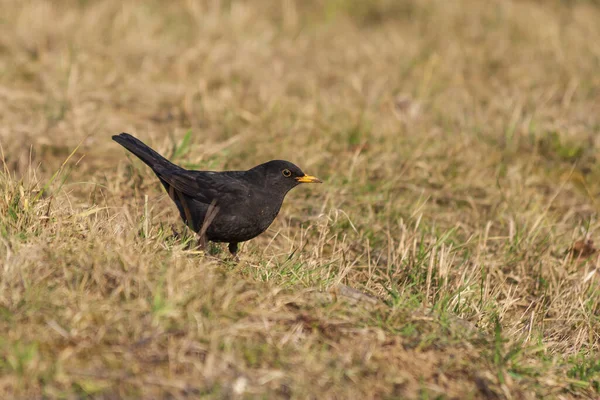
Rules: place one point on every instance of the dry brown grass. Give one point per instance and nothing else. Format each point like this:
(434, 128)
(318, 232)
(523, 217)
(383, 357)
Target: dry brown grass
(458, 143)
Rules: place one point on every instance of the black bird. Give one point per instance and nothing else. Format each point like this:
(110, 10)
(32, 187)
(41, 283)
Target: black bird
(228, 206)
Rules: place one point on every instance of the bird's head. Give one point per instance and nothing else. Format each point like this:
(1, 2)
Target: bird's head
(284, 175)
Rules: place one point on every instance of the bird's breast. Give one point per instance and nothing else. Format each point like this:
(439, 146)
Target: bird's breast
(243, 221)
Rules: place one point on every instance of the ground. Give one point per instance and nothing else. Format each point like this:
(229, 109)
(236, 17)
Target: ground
(449, 253)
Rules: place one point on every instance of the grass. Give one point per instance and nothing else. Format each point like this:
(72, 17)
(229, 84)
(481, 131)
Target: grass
(458, 151)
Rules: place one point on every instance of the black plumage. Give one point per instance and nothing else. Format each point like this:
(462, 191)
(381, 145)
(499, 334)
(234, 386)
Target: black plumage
(227, 206)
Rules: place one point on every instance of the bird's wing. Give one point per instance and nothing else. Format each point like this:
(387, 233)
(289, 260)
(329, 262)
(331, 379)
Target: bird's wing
(206, 187)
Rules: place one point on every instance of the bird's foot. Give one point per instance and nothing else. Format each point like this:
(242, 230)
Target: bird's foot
(233, 248)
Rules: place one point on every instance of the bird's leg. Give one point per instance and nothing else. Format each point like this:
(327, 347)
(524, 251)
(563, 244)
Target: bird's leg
(233, 248)
(176, 234)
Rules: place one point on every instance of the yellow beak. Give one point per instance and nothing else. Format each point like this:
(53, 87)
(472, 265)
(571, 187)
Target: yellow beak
(308, 179)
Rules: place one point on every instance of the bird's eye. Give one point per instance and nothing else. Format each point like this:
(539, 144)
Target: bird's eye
(287, 173)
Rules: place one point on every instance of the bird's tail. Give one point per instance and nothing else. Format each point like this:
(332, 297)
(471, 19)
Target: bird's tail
(142, 151)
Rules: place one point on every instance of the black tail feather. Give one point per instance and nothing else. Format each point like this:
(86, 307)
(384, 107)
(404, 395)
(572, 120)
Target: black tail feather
(142, 151)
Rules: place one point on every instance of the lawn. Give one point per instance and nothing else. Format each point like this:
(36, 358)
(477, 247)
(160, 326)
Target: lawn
(449, 252)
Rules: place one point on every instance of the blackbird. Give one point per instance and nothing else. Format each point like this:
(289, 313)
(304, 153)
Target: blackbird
(227, 206)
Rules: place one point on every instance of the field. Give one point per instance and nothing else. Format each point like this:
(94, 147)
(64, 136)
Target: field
(449, 253)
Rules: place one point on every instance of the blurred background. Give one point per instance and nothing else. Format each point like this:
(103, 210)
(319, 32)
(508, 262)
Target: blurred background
(458, 144)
